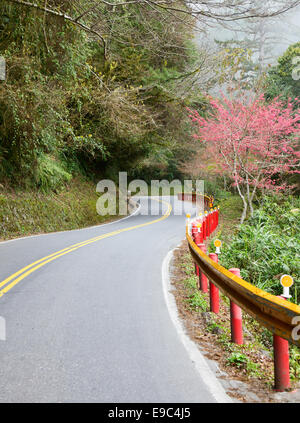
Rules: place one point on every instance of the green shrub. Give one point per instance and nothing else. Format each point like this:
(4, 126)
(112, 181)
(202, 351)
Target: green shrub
(50, 175)
(63, 98)
(268, 246)
(237, 359)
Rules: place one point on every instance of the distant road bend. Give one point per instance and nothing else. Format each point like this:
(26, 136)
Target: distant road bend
(86, 317)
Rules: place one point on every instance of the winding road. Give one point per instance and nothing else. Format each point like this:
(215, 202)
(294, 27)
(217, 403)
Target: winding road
(87, 318)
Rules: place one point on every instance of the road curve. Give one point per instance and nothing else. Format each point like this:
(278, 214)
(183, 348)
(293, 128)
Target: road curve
(88, 321)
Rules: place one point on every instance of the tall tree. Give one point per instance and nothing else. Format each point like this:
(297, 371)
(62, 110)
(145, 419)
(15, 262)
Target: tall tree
(253, 142)
(284, 79)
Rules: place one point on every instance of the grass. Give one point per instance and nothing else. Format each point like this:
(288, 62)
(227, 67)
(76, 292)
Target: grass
(32, 212)
(267, 245)
(230, 214)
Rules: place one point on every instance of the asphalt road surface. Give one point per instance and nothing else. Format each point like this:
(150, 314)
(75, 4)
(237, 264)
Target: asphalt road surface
(90, 323)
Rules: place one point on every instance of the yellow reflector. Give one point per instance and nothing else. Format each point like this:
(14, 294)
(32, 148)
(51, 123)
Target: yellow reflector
(218, 243)
(286, 281)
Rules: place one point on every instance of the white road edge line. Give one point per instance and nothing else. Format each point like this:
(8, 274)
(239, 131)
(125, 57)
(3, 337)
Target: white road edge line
(73, 230)
(201, 365)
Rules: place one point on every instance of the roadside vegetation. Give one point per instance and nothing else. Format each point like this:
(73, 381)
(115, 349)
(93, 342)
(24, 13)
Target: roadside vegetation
(253, 174)
(32, 212)
(265, 247)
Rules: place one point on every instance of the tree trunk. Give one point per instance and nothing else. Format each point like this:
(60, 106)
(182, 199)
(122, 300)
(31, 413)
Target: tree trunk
(249, 197)
(244, 214)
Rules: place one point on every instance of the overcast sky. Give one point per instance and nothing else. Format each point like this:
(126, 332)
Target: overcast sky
(285, 31)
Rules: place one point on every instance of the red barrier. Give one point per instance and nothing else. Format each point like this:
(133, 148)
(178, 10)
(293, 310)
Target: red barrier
(194, 228)
(236, 317)
(212, 221)
(214, 291)
(199, 237)
(203, 279)
(204, 224)
(199, 234)
(213, 218)
(281, 363)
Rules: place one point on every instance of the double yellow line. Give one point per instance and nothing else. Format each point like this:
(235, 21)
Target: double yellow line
(21, 274)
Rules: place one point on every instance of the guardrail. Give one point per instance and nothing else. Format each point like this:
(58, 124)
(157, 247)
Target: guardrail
(274, 313)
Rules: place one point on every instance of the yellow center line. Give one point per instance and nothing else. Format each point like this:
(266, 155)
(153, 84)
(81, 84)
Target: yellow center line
(43, 261)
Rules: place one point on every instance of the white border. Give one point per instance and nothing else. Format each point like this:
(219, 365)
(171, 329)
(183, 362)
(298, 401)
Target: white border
(209, 378)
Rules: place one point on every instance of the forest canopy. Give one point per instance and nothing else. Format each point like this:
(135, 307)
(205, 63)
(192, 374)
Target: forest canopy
(98, 86)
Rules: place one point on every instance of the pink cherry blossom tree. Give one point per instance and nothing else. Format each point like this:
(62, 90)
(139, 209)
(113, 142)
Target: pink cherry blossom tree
(253, 142)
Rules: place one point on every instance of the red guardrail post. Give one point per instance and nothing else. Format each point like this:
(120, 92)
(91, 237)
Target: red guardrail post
(216, 218)
(204, 228)
(207, 224)
(202, 278)
(281, 363)
(213, 290)
(236, 318)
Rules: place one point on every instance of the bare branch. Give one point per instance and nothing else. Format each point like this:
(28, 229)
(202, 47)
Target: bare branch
(62, 16)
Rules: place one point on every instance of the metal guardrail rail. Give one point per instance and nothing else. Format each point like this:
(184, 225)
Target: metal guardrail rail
(274, 313)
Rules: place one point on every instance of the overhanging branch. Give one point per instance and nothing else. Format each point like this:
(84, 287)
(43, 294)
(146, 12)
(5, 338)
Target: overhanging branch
(64, 16)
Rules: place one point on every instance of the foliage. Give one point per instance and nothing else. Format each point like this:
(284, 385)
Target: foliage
(268, 246)
(283, 79)
(50, 175)
(237, 65)
(237, 359)
(94, 112)
(31, 212)
(213, 187)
